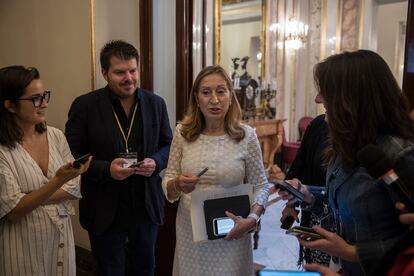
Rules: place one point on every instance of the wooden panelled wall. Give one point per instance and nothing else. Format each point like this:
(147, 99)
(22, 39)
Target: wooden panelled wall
(146, 45)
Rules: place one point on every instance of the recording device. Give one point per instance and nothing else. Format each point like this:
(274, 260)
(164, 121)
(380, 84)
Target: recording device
(272, 272)
(397, 174)
(202, 172)
(304, 233)
(81, 160)
(136, 164)
(222, 226)
(288, 221)
(283, 185)
(217, 224)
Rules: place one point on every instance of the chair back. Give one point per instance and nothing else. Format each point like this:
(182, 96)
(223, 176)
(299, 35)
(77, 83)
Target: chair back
(289, 151)
(303, 124)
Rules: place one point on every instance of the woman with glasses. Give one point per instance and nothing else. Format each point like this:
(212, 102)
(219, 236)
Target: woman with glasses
(37, 180)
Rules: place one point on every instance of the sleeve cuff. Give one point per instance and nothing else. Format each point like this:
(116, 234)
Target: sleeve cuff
(164, 188)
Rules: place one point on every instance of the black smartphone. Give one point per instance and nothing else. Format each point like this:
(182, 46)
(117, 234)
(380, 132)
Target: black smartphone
(136, 164)
(286, 186)
(305, 233)
(288, 221)
(222, 226)
(81, 160)
(203, 171)
(271, 272)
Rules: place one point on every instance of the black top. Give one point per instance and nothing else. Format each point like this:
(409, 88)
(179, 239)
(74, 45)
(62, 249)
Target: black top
(92, 128)
(132, 194)
(307, 166)
(136, 136)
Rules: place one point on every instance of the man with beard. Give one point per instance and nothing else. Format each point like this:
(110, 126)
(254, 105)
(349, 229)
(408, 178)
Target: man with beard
(127, 131)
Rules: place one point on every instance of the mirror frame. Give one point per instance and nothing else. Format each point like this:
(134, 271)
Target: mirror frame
(217, 35)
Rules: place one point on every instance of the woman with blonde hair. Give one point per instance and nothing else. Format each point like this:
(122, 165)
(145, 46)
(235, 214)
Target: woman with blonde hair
(212, 135)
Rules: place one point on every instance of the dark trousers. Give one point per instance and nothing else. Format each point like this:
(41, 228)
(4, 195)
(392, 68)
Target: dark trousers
(110, 250)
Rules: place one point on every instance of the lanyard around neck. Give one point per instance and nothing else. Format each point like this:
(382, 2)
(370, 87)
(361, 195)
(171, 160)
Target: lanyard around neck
(130, 126)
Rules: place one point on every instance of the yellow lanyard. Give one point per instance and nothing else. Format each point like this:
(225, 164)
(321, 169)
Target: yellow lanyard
(130, 126)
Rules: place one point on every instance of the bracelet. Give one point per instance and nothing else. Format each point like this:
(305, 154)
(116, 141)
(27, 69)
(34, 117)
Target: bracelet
(255, 217)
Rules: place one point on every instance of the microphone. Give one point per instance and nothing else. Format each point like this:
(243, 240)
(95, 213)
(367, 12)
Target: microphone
(395, 174)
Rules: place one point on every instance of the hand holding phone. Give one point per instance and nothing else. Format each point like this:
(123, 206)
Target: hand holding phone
(289, 215)
(283, 185)
(287, 222)
(304, 233)
(136, 164)
(81, 160)
(222, 226)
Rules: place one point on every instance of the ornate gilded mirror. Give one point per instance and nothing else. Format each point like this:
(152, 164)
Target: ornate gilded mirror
(239, 36)
(291, 37)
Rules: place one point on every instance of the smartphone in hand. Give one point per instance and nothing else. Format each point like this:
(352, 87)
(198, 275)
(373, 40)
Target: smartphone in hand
(283, 185)
(288, 221)
(81, 160)
(136, 164)
(304, 233)
(222, 226)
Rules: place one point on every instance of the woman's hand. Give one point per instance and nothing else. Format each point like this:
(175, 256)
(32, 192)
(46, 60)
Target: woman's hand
(309, 198)
(38, 197)
(241, 226)
(68, 172)
(186, 182)
(323, 270)
(332, 244)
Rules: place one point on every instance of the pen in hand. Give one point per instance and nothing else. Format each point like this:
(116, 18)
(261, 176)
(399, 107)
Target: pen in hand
(202, 172)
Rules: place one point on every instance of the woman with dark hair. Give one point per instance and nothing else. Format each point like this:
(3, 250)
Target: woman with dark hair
(364, 105)
(308, 167)
(37, 179)
(211, 135)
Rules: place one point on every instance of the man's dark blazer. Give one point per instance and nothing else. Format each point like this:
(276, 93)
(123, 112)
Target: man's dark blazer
(92, 128)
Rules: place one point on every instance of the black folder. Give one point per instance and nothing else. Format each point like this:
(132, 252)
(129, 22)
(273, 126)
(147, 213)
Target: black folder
(215, 208)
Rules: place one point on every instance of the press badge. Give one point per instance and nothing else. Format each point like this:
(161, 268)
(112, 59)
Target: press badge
(130, 157)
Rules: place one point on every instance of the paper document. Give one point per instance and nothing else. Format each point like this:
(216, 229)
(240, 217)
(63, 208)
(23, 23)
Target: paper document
(197, 201)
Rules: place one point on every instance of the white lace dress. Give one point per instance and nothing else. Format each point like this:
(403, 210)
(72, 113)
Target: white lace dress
(230, 163)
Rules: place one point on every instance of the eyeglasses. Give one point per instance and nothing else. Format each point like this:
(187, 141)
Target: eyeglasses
(38, 100)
